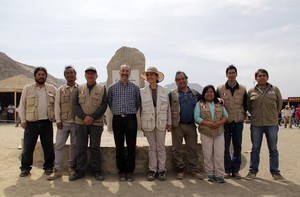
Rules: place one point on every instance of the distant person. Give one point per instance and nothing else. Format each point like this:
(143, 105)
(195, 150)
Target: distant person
(155, 120)
(10, 112)
(17, 117)
(89, 107)
(211, 116)
(234, 96)
(124, 102)
(65, 122)
(287, 116)
(297, 116)
(36, 110)
(182, 101)
(264, 103)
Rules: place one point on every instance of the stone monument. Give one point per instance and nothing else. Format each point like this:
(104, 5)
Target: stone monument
(136, 60)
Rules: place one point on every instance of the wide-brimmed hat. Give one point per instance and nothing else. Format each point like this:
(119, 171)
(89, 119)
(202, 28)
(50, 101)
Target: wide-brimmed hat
(91, 68)
(152, 69)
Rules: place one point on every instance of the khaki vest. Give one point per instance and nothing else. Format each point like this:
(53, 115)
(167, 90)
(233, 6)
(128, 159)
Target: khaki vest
(149, 118)
(175, 106)
(90, 102)
(233, 104)
(31, 113)
(66, 103)
(206, 115)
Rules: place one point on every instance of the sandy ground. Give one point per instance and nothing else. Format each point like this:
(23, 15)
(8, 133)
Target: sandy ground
(37, 185)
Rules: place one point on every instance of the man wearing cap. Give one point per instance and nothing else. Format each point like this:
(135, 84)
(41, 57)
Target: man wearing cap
(155, 120)
(124, 102)
(89, 106)
(183, 100)
(65, 122)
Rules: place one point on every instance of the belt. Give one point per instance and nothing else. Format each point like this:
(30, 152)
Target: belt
(186, 122)
(125, 115)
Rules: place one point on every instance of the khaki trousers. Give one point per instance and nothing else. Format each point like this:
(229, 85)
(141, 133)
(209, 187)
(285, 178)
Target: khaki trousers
(213, 152)
(189, 134)
(157, 150)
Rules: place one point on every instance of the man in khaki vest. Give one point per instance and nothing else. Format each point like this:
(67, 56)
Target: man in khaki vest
(182, 101)
(89, 106)
(36, 111)
(234, 96)
(65, 122)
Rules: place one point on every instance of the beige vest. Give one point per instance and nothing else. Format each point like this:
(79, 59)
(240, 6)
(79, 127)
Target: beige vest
(66, 103)
(175, 106)
(31, 113)
(149, 118)
(233, 104)
(206, 115)
(90, 102)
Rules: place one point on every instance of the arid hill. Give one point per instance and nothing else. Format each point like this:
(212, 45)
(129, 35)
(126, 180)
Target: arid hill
(15, 75)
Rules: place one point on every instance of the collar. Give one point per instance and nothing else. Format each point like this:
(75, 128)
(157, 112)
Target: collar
(236, 85)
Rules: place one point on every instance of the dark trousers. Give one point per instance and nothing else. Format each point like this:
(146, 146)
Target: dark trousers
(44, 129)
(95, 133)
(125, 127)
(233, 131)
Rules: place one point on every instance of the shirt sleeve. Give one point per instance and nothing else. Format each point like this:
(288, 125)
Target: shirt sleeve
(77, 108)
(197, 112)
(57, 106)
(102, 108)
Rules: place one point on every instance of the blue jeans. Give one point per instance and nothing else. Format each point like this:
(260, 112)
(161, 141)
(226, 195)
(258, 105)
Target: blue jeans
(271, 133)
(233, 131)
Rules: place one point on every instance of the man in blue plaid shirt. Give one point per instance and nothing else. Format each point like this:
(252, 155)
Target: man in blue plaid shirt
(124, 102)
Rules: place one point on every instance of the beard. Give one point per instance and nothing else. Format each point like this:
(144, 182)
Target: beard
(40, 81)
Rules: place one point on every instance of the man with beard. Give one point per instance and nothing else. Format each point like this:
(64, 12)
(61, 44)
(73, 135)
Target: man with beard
(124, 102)
(36, 111)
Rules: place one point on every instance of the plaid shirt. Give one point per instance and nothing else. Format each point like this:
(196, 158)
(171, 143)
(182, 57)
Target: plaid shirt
(124, 99)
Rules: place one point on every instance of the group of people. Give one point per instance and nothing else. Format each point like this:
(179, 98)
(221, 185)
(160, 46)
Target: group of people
(217, 114)
(289, 116)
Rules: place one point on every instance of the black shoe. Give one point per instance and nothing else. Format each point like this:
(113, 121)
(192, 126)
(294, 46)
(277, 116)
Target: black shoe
(236, 175)
(99, 176)
(130, 177)
(48, 171)
(122, 176)
(76, 176)
(24, 173)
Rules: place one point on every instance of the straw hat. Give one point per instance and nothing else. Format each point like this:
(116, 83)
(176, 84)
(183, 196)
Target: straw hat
(153, 70)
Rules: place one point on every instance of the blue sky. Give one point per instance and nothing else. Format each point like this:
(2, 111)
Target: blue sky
(199, 37)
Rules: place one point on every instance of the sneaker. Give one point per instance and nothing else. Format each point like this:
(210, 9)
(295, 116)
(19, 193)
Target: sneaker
(180, 173)
(56, 174)
(130, 177)
(197, 175)
(48, 171)
(219, 179)
(236, 175)
(71, 170)
(24, 173)
(122, 176)
(227, 175)
(76, 176)
(278, 177)
(162, 175)
(99, 176)
(211, 178)
(250, 176)
(151, 175)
